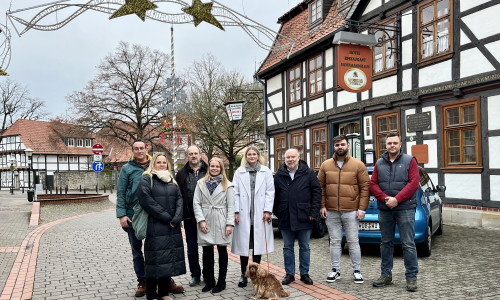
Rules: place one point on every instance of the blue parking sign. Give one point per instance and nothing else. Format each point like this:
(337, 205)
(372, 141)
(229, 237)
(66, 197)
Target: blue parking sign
(97, 166)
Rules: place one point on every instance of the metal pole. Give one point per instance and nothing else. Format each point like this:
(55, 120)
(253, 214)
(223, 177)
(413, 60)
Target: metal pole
(174, 112)
(29, 175)
(12, 180)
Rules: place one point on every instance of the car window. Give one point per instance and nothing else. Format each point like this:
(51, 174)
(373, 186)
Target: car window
(425, 181)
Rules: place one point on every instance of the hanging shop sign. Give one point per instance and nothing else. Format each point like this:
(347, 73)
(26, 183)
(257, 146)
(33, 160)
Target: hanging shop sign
(354, 67)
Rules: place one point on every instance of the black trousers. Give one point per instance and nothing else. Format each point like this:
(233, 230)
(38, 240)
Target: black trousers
(208, 261)
(153, 284)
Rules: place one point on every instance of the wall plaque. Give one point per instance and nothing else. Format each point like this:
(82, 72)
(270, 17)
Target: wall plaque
(421, 153)
(418, 122)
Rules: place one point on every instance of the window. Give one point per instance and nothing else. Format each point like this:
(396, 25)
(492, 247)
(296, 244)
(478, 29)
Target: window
(315, 12)
(435, 28)
(384, 58)
(279, 150)
(88, 143)
(461, 127)
(294, 83)
(70, 142)
(63, 159)
(298, 143)
(385, 123)
(182, 155)
(315, 75)
(318, 147)
(73, 159)
(79, 142)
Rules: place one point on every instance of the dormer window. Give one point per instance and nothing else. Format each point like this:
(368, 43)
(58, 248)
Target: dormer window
(315, 12)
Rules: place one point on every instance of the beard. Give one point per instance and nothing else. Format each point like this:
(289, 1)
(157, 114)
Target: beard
(341, 152)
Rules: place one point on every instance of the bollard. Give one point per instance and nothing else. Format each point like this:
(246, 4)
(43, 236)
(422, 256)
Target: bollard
(96, 189)
(51, 191)
(22, 189)
(104, 189)
(84, 190)
(80, 188)
(66, 190)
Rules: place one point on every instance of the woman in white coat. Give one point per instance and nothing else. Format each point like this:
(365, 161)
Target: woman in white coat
(213, 206)
(253, 204)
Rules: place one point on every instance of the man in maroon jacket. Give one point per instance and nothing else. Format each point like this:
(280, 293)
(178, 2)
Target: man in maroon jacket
(394, 183)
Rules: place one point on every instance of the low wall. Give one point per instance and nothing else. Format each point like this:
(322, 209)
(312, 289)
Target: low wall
(70, 198)
(473, 216)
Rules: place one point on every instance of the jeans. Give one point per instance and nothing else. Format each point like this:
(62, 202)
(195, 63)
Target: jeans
(405, 219)
(303, 237)
(335, 221)
(190, 229)
(137, 255)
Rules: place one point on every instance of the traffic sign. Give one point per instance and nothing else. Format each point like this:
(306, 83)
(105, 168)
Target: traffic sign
(97, 149)
(97, 157)
(97, 166)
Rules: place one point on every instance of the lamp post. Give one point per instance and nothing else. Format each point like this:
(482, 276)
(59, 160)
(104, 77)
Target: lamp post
(12, 162)
(29, 154)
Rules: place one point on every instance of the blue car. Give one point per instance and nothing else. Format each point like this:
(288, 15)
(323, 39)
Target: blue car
(428, 217)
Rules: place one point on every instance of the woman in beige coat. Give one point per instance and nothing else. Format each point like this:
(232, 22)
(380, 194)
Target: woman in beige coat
(213, 205)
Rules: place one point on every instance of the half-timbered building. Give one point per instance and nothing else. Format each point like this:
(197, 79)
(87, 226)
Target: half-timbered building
(435, 79)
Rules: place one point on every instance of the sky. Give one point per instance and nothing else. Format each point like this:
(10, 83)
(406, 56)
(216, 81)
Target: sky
(54, 64)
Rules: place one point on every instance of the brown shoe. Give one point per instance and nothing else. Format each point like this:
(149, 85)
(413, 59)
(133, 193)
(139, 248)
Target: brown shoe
(141, 288)
(175, 289)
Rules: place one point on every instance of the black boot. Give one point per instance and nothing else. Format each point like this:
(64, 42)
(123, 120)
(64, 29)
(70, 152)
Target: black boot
(221, 283)
(209, 284)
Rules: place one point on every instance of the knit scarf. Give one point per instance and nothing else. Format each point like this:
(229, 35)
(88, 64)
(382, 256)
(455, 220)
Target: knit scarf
(164, 176)
(213, 182)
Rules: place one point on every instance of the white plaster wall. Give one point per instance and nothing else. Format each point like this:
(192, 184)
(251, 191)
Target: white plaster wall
(271, 120)
(295, 112)
(463, 186)
(316, 106)
(275, 101)
(407, 148)
(328, 57)
(493, 109)
(274, 83)
(407, 52)
(345, 97)
(368, 129)
(494, 145)
(473, 62)
(483, 23)
(329, 79)
(468, 4)
(408, 112)
(406, 23)
(463, 38)
(329, 100)
(385, 86)
(433, 154)
(435, 74)
(407, 79)
(495, 187)
(494, 49)
(308, 145)
(365, 95)
(434, 178)
(433, 129)
(372, 5)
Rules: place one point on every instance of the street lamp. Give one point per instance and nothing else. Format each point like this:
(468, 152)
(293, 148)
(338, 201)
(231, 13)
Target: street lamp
(29, 154)
(12, 162)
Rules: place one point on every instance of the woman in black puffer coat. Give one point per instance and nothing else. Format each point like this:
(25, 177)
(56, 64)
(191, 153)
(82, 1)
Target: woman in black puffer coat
(160, 197)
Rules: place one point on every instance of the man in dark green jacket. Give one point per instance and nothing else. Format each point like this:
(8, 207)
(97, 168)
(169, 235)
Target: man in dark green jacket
(130, 176)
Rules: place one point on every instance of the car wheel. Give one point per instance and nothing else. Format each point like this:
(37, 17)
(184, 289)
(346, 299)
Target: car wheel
(319, 228)
(439, 231)
(424, 248)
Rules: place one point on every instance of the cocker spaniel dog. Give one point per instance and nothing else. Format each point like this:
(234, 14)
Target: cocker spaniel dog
(265, 285)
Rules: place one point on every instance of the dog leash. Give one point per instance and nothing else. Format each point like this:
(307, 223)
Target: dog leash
(267, 253)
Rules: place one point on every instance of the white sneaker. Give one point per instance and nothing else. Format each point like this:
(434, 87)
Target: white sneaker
(358, 278)
(333, 275)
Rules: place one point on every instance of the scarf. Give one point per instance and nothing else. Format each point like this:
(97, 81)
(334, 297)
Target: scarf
(164, 176)
(213, 182)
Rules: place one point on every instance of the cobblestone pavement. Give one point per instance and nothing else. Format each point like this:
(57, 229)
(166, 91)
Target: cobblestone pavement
(88, 257)
(463, 265)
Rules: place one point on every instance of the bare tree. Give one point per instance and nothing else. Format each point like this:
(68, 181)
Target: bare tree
(209, 89)
(123, 98)
(18, 104)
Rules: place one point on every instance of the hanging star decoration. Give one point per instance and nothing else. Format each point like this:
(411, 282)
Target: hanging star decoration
(138, 7)
(202, 12)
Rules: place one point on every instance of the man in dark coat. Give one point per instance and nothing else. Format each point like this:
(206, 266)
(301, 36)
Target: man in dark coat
(187, 178)
(297, 201)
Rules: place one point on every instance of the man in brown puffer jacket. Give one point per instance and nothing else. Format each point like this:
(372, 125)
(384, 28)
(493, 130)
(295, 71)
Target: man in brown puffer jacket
(345, 186)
